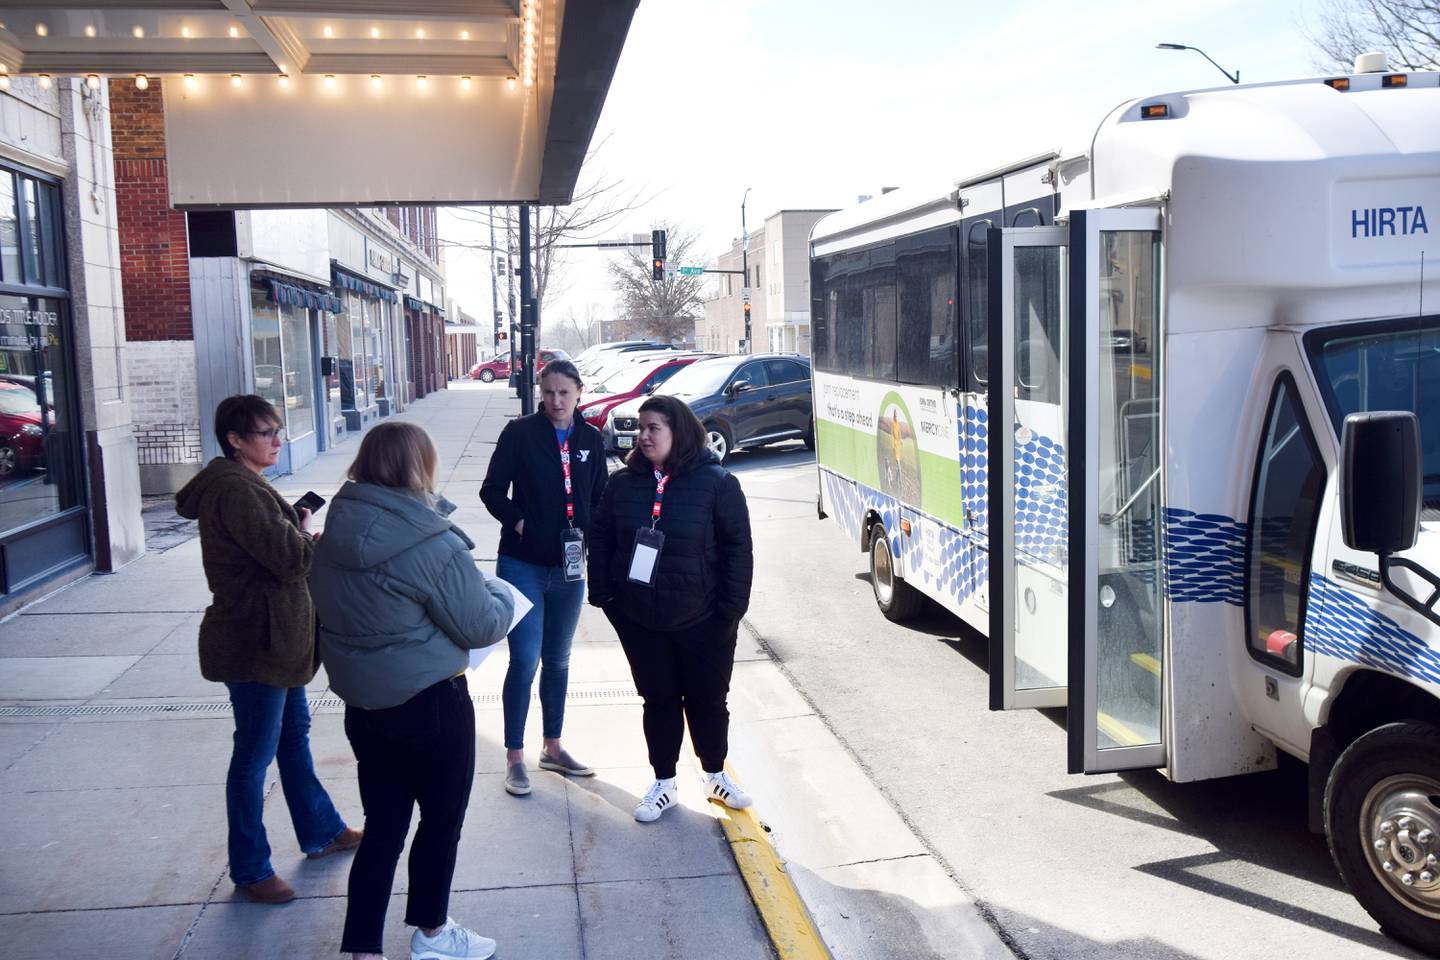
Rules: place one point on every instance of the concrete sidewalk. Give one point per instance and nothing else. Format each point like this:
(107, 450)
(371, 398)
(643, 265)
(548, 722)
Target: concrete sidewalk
(113, 752)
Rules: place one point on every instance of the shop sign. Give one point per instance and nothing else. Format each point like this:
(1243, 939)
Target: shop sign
(45, 318)
(381, 261)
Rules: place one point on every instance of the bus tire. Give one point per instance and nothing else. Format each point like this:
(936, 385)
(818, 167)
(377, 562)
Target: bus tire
(896, 599)
(1382, 805)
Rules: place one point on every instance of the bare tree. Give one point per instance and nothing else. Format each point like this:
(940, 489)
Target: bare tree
(575, 333)
(1408, 31)
(664, 309)
(599, 204)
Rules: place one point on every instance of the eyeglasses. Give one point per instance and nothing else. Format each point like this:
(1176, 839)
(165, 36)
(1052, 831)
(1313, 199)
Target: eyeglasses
(274, 433)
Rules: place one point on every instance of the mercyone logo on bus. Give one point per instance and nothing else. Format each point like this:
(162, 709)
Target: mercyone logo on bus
(1387, 222)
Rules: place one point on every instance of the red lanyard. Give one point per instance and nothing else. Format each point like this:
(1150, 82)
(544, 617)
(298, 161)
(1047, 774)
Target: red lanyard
(660, 481)
(569, 488)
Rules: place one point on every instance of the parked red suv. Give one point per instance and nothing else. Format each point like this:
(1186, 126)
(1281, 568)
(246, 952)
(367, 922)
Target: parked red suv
(487, 371)
(629, 382)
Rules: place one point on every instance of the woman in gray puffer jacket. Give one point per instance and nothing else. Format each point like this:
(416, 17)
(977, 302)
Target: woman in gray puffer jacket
(400, 604)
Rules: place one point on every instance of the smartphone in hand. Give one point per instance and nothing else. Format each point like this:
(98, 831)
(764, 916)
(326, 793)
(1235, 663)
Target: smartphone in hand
(312, 501)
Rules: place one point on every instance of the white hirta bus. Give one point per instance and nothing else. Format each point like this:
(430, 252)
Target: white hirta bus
(1162, 419)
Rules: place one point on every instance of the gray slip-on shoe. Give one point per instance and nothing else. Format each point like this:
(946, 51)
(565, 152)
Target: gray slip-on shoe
(517, 780)
(565, 764)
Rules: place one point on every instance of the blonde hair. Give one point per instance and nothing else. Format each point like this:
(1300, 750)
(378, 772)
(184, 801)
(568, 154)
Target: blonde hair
(397, 454)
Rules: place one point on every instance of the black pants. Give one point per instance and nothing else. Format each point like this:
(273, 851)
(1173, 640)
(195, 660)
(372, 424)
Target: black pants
(681, 675)
(422, 751)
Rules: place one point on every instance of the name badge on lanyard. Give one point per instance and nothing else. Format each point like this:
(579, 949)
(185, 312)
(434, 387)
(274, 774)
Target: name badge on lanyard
(572, 540)
(648, 541)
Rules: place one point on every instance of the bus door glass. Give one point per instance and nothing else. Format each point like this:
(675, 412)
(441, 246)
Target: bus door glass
(1116, 611)
(1027, 467)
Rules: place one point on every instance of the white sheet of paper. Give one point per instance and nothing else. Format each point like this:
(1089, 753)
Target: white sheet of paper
(642, 564)
(522, 607)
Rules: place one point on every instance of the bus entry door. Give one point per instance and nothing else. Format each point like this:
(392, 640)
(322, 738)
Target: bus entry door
(1026, 467)
(1116, 492)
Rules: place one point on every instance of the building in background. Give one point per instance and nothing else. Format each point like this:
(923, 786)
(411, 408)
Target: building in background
(786, 290)
(331, 315)
(723, 328)
(69, 501)
(463, 339)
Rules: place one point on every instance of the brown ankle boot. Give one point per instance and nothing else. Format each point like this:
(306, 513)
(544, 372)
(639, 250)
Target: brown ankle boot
(349, 839)
(273, 890)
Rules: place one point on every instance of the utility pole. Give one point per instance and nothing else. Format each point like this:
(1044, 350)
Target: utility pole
(745, 271)
(494, 288)
(528, 320)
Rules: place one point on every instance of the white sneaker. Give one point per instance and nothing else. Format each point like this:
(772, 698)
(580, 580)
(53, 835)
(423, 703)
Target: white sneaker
(451, 942)
(659, 798)
(719, 786)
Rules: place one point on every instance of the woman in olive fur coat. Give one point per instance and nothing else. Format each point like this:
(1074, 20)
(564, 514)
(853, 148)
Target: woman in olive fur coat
(258, 638)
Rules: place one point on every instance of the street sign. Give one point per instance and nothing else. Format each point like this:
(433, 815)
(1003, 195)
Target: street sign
(745, 294)
(692, 271)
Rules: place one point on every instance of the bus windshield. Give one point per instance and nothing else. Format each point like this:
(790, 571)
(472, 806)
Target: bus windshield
(1390, 366)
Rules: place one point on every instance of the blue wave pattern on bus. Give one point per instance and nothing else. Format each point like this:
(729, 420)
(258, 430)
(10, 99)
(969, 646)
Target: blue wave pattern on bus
(961, 567)
(1205, 557)
(1041, 522)
(1341, 625)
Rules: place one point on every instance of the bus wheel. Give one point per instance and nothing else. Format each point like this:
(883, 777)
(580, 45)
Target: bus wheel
(896, 598)
(1382, 815)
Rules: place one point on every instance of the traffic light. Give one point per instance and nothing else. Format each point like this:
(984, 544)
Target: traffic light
(657, 253)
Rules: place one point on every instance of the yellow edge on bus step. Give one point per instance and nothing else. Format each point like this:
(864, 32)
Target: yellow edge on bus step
(783, 912)
(1146, 662)
(1116, 730)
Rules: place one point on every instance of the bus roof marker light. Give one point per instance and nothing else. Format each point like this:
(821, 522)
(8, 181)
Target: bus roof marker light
(1154, 111)
(1338, 83)
(1394, 80)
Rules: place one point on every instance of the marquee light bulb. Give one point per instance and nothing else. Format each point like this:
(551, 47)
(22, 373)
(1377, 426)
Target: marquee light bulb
(185, 32)
(374, 33)
(234, 79)
(330, 81)
(92, 80)
(234, 33)
(138, 33)
(464, 34)
(41, 30)
(464, 83)
(509, 83)
(329, 31)
(375, 80)
(419, 33)
(90, 30)
(422, 82)
(45, 81)
(284, 81)
(142, 82)
(189, 81)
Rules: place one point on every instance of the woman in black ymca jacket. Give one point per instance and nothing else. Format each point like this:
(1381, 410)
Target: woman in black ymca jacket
(675, 599)
(543, 483)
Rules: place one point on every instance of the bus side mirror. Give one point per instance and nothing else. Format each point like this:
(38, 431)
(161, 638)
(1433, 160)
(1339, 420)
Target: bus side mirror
(1380, 481)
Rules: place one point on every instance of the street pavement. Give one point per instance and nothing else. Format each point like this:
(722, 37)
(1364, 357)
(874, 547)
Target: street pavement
(1065, 867)
(113, 751)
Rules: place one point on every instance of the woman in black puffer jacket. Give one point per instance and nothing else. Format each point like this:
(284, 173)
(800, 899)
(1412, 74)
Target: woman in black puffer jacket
(677, 618)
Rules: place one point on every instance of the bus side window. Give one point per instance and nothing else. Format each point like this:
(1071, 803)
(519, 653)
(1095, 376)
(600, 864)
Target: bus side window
(926, 347)
(977, 312)
(1284, 508)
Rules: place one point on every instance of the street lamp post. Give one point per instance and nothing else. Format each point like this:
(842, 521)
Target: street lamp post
(1180, 46)
(745, 269)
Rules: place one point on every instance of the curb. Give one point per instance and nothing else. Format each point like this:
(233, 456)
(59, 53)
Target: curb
(784, 914)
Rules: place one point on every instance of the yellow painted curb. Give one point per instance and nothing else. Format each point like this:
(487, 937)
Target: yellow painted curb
(783, 912)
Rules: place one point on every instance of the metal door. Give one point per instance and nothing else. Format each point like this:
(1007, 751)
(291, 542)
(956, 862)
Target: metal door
(1026, 467)
(1116, 580)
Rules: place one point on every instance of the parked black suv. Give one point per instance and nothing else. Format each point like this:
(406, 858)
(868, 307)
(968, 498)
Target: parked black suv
(743, 401)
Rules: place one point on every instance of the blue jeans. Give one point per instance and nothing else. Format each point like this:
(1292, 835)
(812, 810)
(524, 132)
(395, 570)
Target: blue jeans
(272, 723)
(543, 638)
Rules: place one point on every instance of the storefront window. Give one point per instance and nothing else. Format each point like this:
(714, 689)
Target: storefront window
(265, 335)
(359, 362)
(9, 231)
(376, 309)
(296, 362)
(39, 453)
